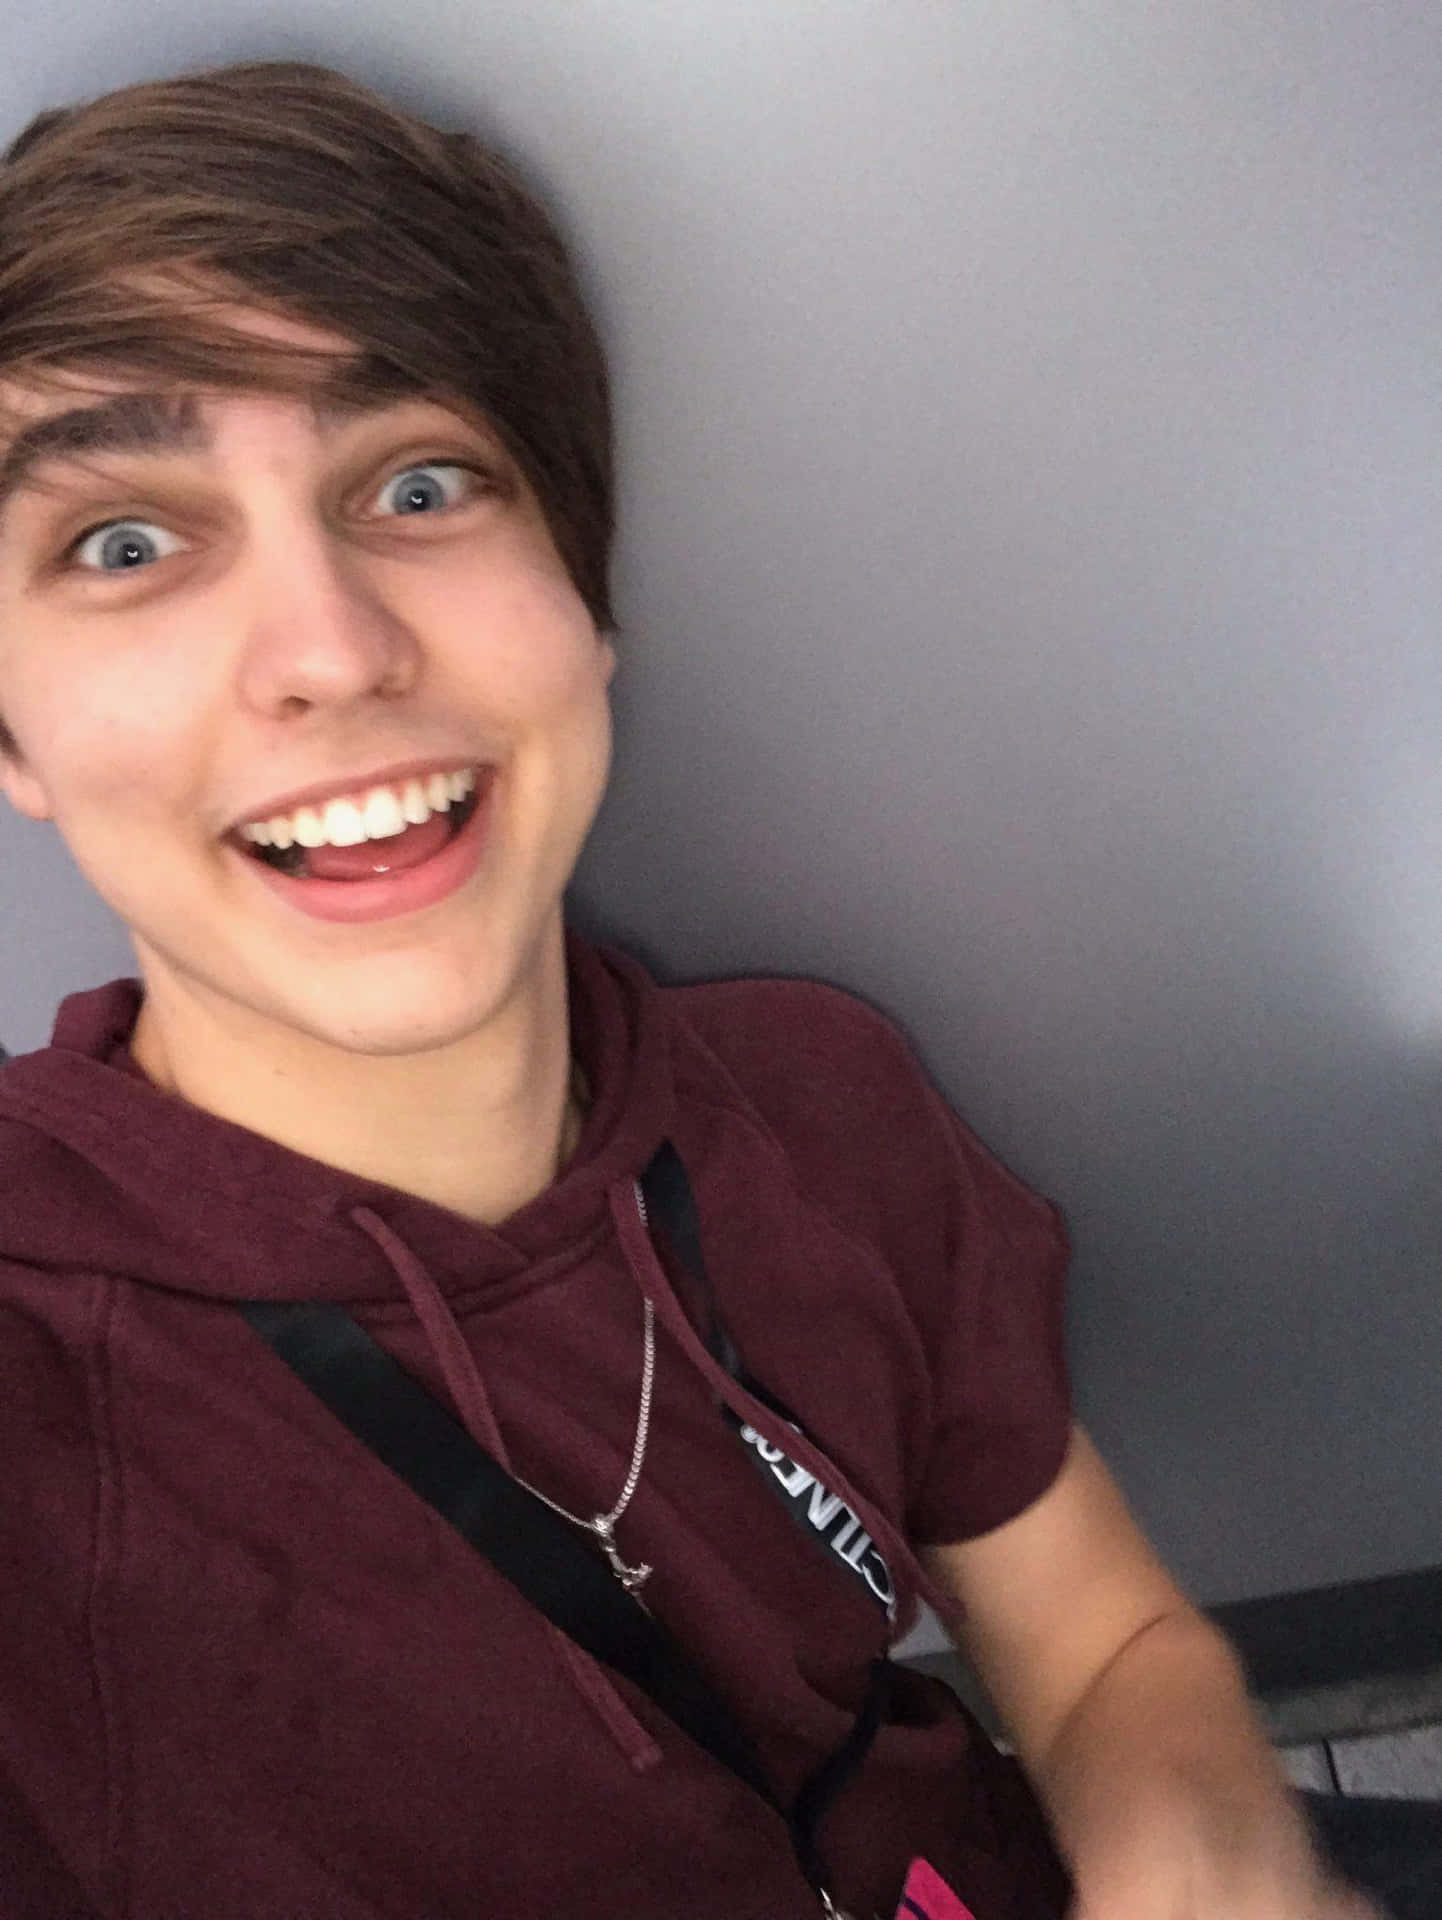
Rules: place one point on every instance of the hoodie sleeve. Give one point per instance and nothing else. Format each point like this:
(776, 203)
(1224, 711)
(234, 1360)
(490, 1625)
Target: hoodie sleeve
(978, 1258)
(55, 1804)
(980, 1261)
(992, 1318)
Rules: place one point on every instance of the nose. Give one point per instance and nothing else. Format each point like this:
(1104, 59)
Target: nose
(318, 633)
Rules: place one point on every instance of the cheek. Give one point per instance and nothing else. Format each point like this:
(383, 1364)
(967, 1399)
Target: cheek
(531, 651)
(97, 726)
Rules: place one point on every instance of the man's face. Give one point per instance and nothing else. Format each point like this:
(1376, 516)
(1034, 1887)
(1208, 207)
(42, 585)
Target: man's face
(220, 615)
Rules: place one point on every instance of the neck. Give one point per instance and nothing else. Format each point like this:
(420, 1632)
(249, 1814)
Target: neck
(480, 1125)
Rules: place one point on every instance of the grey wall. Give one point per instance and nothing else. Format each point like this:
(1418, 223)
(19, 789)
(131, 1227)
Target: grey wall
(1030, 417)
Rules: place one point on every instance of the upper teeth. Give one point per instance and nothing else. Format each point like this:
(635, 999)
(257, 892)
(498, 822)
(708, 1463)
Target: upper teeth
(378, 814)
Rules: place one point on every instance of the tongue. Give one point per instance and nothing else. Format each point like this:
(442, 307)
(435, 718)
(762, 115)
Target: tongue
(373, 857)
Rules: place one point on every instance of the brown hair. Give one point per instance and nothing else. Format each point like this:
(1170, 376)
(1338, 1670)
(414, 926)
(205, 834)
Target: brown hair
(128, 223)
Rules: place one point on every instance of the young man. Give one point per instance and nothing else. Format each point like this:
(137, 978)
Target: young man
(304, 513)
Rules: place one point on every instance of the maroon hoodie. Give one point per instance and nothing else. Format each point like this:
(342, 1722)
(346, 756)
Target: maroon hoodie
(249, 1673)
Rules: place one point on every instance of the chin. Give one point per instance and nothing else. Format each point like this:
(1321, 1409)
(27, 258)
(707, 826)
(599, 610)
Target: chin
(415, 1003)
(377, 1034)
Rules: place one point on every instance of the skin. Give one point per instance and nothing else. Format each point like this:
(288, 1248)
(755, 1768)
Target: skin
(293, 632)
(1129, 1712)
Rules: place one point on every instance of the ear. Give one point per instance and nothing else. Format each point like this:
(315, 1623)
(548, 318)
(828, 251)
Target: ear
(21, 787)
(608, 663)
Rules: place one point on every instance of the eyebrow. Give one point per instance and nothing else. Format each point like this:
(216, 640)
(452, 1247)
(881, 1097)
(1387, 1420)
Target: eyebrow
(125, 423)
(162, 423)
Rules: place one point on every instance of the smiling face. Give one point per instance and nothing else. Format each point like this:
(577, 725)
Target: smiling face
(230, 621)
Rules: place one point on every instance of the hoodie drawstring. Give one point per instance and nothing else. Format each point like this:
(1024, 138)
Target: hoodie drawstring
(462, 1376)
(467, 1387)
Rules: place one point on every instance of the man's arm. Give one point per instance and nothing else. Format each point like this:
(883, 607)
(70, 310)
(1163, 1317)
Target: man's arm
(1129, 1712)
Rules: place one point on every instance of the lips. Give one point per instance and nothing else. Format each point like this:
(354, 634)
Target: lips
(306, 838)
(347, 840)
(348, 859)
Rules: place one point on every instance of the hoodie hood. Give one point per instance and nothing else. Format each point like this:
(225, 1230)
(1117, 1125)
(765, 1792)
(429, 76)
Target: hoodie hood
(103, 1172)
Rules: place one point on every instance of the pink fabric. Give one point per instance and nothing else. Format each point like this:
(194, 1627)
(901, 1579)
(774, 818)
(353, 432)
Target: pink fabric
(926, 1896)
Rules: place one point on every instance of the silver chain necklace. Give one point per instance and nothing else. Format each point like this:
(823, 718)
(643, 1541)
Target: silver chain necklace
(603, 1525)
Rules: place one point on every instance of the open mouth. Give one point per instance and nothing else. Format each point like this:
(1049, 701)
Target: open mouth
(385, 830)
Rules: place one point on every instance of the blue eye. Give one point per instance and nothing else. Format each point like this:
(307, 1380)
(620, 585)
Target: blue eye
(123, 545)
(428, 489)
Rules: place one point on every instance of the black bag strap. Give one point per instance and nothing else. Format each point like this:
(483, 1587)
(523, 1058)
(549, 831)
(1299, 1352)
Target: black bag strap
(409, 1430)
(671, 1203)
(543, 1557)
